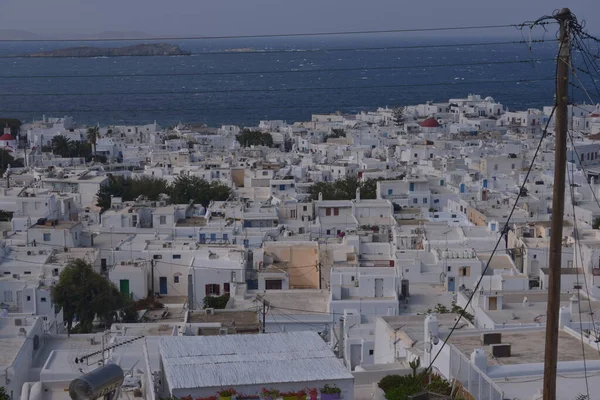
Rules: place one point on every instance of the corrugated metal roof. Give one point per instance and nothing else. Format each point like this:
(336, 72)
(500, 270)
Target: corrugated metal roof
(224, 361)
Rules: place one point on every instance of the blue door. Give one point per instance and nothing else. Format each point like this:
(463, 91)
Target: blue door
(451, 284)
(163, 284)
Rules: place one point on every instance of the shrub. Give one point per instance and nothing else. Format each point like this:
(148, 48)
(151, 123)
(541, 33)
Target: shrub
(391, 381)
(330, 389)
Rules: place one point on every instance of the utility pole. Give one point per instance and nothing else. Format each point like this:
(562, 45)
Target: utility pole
(265, 303)
(319, 267)
(152, 273)
(560, 129)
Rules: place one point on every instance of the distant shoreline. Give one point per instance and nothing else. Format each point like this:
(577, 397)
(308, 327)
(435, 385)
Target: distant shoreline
(158, 49)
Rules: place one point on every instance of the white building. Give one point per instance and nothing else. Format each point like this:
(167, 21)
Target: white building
(286, 361)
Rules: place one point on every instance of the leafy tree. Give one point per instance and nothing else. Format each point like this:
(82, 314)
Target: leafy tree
(84, 294)
(80, 149)
(93, 134)
(186, 188)
(130, 189)
(61, 145)
(6, 159)
(216, 302)
(6, 215)
(249, 138)
(344, 189)
(398, 116)
(13, 123)
(3, 394)
(335, 133)
(596, 224)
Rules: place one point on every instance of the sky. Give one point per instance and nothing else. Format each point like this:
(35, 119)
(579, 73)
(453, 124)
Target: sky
(244, 17)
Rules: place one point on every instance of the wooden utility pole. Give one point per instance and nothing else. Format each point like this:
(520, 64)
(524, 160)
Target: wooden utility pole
(560, 129)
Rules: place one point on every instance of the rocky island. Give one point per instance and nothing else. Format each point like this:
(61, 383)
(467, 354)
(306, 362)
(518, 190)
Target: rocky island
(156, 49)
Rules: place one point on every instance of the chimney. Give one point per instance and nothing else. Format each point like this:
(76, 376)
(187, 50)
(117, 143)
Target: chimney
(574, 305)
(358, 194)
(320, 196)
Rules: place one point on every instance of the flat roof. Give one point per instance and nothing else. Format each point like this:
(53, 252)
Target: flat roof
(291, 301)
(243, 321)
(527, 347)
(235, 360)
(58, 225)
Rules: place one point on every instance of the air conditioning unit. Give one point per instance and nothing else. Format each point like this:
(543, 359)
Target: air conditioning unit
(15, 276)
(223, 331)
(210, 311)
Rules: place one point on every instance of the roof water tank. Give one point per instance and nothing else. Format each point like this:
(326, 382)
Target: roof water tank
(479, 359)
(97, 383)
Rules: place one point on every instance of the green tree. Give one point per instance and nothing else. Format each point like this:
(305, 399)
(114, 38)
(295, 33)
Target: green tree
(3, 394)
(249, 138)
(61, 146)
(83, 294)
(13, 123)
(344, 189)
(80, 149)
(130, 189)
(93, 134)
(6, 159)
(187, 188)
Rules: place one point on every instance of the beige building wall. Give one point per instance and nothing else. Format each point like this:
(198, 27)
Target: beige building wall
(302, 260)
(237, 176)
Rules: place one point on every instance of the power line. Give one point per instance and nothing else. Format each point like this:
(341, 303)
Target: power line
(273, 35)
(279, 89)
(504, 232)
(274, 72)
(571, 179)
(318, 50)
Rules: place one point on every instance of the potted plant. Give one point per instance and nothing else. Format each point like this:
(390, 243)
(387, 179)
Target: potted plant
(241, 396)
(301, 394)
(207, 398)
(270, 394)
(188, 397)
(289, 395)
(313, 393)
(226, 394)
(330, 392)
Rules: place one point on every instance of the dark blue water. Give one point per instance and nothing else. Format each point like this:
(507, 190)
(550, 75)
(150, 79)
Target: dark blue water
(426, 73)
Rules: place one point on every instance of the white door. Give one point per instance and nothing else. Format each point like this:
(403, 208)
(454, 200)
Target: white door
(378, 287)
(355, 355)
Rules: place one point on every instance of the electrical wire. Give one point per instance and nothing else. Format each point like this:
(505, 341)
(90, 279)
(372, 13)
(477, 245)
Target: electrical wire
(301, 51)
(276, 72)
(273, 35)
(571, 179)
(576, 231)
(504, 232)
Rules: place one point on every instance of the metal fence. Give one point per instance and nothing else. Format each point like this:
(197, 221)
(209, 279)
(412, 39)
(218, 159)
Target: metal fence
(475, 381)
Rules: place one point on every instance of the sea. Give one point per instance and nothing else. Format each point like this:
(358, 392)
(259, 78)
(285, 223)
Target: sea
(244, 81)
